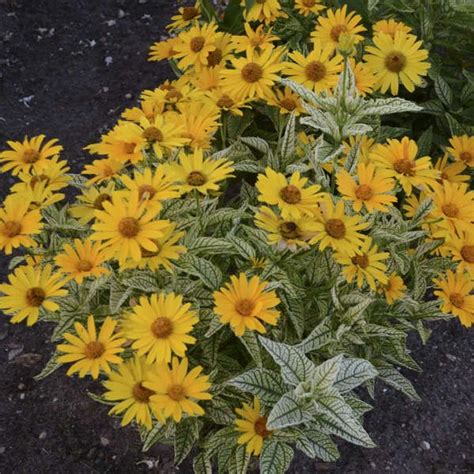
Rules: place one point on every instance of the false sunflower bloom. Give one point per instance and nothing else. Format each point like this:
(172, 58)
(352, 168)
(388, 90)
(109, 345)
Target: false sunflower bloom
(31, 288)
(292, 196)
(126, 226)
(92, 199)
(451, 171)
(103, 170)
(308, 7)
(259, 39)
(455, 292)
(185, 17)
(287, 101)
(30, 154)
(18, 224)
(126, 387)
(364, 79)
(227, 103)
(161, 50)
(176, 389)
(462, 250)
(243, 303)
(39, 196)
(366, 145)
(390, 27)
(148, 109)
(160, 327)
(399, 159)
(395, 60)
(462, 149)
(394, 289)
(89, 352)
(266, 11)
(253, 426)
(81, 261)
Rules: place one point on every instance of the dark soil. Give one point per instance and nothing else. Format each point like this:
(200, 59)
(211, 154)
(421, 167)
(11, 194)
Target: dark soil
(54, 79)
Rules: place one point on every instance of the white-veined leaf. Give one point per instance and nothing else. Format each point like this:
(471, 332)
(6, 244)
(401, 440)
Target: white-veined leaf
(352, 373)
(288, 411)
(207, 272)
(275, 458)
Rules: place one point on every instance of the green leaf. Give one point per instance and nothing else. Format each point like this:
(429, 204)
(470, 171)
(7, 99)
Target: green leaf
(118, 295)
(256, 142)
(443, 91)
(187, 433)
(421, 212)
(155, 435)
(287, 147)
(394, 378)
(49, 368)
(210, 246)
(208, 9)
(295, 310)
(220, 412)
(249, 340)
(206, 271)
(319, 337)
(275, 458)
(202, 464)
(288, 411)
(239, 463)
(316, 444)
(242, 247)
(424, 142)
(352, 373)
(324, 375)
(142, 281)
(389, 106)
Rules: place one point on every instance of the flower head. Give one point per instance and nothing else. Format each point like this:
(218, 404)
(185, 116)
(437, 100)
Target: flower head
(462, 149)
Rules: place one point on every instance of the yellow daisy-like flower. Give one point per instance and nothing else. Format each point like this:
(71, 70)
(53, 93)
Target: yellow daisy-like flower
(243, 303)
(91, 200)
(89, 352)
(365, 266)
(454, 204)
(364, 79)
(390, 27)
(195, 45)
(370, 189)
(462, 250)
(253, 425)
(103, 170)
(185, 17)
(285, 234)
(266, 11)
(394, 289)
(31, 288)
(318, 71)
(224, 49)
(207, 79)
(456, 295)
(152, 187)
(160, 327)
(254, 75)
(148, 109)
(194, 172)
(166, 252)
(39, 196)
(451, 171)
(395, 60)
(259, 39)
(308, 7)
(287, 101)
(126, 386)
(126, 226)
(82, 261)
(399, 159)
(18, 224)
(462, 149)
(163, 49)
(290, 195)
(29, 154)
(227, 103)
(337, 230)
(366, 145)
(176, 389)
(330, 27)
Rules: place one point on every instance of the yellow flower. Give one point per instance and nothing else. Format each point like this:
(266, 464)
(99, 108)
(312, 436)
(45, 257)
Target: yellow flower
(364, 79)
(148, 109)
(31, 288)
(318, 71)
(370, 189)
(399, 159)
(283, 233)
(253, 425)
(160, 327)
(266, 11)
(90, 352)
(18, 224)
(307, 7)
(194, 172)
(338, 230)
(366, 265)
(462, 149)
(185, 17)
(126, 386)
(394, 289)
(176, 389)
(366, 145)
(207, 79)
(29, 154)
(290, 195)
(258, 39)
(456, 295)
(329, 28)
(126, 226)
(395, 60)
(390, 27)
(287, 101)
(227, 103)
(90, 200)
(39, 196)
(253, 75)
(82, 261)
(451, 171)
(224, 49)
(102, 170)
(243, 303)
(462, 250)
(163, 49)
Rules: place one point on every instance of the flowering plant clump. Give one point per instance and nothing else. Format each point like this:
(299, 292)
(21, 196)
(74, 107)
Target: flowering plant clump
(255, 239)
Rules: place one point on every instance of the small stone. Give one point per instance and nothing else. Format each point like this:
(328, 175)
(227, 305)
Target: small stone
(29, 359)
(128, 96)
(451, 357)
(111, 22)
(42, 435)
(104, 441)
(21, 386)
(105, 89)
(109, 60)
(2, 449)
(14, 351)
(22, 396)
(373, 465)
(425, 445)
(121, 13)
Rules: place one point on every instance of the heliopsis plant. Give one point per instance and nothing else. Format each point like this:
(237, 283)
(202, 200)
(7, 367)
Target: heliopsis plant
(248, 247)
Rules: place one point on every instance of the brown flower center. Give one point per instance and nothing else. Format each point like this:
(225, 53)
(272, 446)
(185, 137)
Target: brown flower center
(214, 57)
(11, 229)
(361, 261)
(146, 191)
(129, 227)
(196, 178)
(107, 171)
(288, 104)
(335, 228)
(94, 349)
(251, 72)
(100, 199)
(129, 148)
(177, 392)
(405, 167)
(467, 253)
(395, 61)
(197, 43)
(225, 102)
(38, 179)
(142, 394)
(261, 2)
(153, 134)
(162, 328)
(84, 266)
(289, 230)
(189, 13)
(149, 254)
(450, 209)
(244, 307)
(364, 192)
(456, 299)
(30, 156)
(260, 427)
(173, 95)
(290, 194)
(315, 71)
(466, 156)
(309, 3)
(336, 31)
(35, 297)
